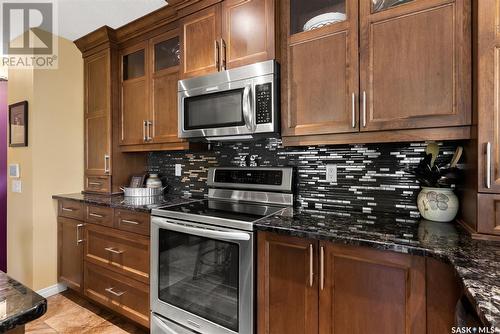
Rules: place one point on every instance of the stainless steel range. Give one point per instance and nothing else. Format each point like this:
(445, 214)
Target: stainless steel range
(202, 252)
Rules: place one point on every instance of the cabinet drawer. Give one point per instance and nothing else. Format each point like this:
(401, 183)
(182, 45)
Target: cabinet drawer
(121, 294)
(98, 184)
(70, 209)
(137, 222)
(99, 215)
(119, 251)
(488, 220)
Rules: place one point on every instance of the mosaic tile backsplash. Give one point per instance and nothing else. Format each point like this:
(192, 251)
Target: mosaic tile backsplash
(370, 178)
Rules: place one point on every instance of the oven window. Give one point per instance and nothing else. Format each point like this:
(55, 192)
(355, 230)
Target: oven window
(200, 276)
(214, 110)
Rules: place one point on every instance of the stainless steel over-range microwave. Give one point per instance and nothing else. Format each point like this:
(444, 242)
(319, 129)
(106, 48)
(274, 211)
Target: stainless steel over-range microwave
(234, 104)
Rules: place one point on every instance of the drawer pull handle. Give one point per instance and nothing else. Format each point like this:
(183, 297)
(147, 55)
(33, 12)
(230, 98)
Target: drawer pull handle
(67, 209)
(311, 270)
(113, 292)
(78, 240)
(95, 183)
(130, 222)
(114, 251)
(95, 215)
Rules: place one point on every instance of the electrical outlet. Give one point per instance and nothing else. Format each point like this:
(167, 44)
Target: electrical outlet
(331, 173)
(178, 169)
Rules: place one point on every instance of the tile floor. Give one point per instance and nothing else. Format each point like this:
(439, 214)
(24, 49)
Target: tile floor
(69, 313)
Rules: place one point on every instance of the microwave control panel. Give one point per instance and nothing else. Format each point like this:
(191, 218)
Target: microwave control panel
(264, 103)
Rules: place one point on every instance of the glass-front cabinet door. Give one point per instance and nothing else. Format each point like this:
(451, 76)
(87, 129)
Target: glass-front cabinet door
(134, 96)
(320, 99)
(165, 50)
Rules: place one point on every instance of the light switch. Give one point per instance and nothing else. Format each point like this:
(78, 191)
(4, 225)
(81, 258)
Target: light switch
(178, 169)
(16, 186)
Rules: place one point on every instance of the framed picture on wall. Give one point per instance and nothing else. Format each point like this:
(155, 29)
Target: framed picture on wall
(18, 124)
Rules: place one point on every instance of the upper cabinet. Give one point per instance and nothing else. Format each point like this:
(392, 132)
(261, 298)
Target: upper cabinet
(165, 51)
(98, 114)
(134, 95)
(200, 38)
(372, 66)
(320, 85)
(415, 64)
(248, 34)
(150, 72)
(227, 35)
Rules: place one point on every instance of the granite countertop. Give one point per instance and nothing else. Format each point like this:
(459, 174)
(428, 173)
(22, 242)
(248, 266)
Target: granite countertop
(476, 262)
(141, 204)
(18, 304)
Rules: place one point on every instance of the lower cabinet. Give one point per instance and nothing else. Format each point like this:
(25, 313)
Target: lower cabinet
(307, 286)
(120, 293)
(70, 252)
(105, 259)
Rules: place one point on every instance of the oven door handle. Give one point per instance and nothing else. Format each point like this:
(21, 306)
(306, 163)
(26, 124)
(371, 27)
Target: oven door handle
(248, 114)
(202, 232)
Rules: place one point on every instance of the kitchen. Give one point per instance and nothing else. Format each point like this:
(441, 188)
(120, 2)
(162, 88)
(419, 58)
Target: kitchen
(264, 166)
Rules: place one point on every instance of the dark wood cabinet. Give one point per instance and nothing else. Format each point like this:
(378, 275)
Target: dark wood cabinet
(227, 35)
(415, 65)
(364, 290)
(97, 113)
(150, 73)
(165, 60)
(487, 90)
(488, 220)
(134, 104)
(70, 234)
(480, 195)
(248, 32)
(287, 285)
(104, 254)
(104, 164)
(200, 42)
(320, 90)
(405, 68)
(309, 286)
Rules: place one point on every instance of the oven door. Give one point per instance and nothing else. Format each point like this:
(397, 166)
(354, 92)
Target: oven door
(202, 276)
(222, 110)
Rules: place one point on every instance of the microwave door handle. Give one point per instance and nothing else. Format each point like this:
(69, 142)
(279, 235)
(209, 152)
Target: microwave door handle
(202, 232)
(247, 108)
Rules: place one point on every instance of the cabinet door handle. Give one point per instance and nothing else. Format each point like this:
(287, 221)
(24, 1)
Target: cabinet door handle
(78, 240)
(488, 165)
(364, 109)
(115, 293)
(144, 125)
(95, 215)
(223, 54)
(353, 106)
(67, 209)
(129, 222)
(322, 267)
(114, 251)
(106, 163)
(217, 56)
(150, 124)
(311, 273)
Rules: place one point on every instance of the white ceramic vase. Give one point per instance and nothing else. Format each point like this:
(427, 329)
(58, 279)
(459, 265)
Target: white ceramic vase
(437, 204)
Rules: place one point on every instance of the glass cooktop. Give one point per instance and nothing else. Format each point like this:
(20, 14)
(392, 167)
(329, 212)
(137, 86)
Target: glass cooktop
(216, 210)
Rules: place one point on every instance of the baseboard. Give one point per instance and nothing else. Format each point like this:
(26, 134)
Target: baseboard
(52, 290)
